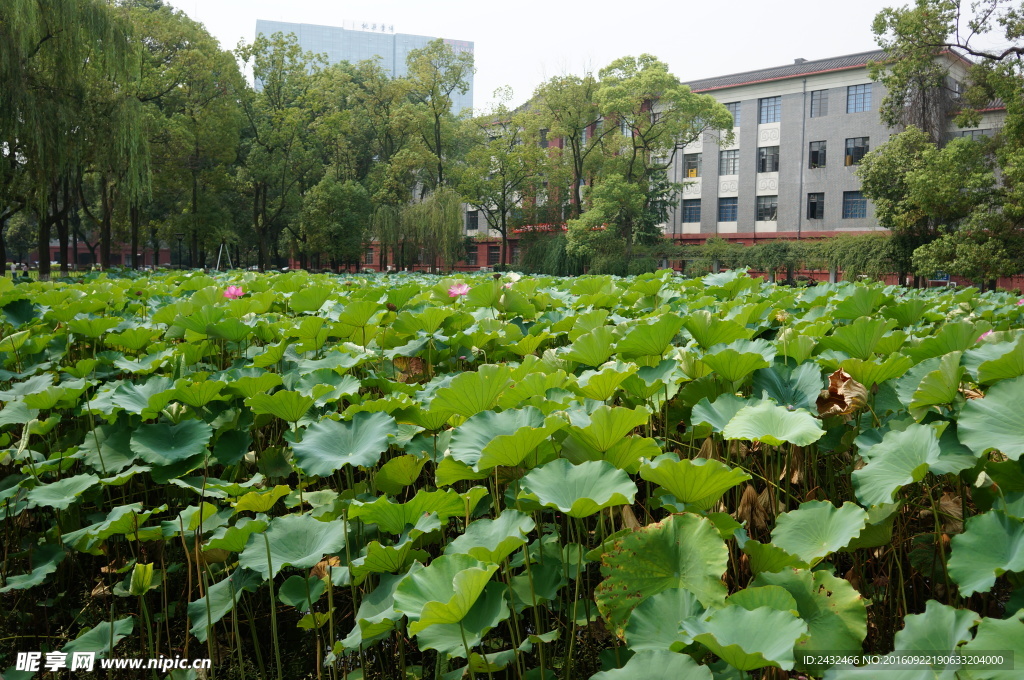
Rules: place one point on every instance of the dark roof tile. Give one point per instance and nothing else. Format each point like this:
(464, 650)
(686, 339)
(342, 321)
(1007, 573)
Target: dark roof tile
(788, 71)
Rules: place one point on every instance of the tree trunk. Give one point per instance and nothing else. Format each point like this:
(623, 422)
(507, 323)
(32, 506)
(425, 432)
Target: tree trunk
(62, 236)
(106, 220)
(133, 216)
(833, 274)
(261, 247)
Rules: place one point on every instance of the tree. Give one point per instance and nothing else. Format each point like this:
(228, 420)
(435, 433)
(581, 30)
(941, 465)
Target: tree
(504, 168)
(568, 107)
(277, 151)
(68, 69)
(654, 115)
(436, 222)
(436, 72)
(335, 217)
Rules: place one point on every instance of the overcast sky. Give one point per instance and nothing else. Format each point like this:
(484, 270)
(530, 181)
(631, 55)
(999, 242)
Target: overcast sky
(524, 42)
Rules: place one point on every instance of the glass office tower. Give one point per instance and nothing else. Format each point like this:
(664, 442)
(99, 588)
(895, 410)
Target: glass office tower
(353, 45)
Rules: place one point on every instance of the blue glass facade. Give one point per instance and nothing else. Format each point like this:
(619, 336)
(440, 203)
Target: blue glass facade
(345, 44)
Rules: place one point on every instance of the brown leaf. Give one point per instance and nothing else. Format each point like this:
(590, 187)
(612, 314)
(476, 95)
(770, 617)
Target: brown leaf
(629, 520)
(321, 568)
(708, 449)
(843, 397)
(751, 510)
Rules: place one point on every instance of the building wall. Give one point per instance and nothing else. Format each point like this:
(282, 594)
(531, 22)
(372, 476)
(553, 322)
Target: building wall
(795, 179)
(343, 44)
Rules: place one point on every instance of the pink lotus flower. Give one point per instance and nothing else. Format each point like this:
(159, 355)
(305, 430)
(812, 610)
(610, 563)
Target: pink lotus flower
(506, 286)
(458, 289)
(233, 292)
(984, 335)
(1020, 302)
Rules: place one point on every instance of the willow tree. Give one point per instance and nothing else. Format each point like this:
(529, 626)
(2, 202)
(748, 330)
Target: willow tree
(437, 224)
(62, 61)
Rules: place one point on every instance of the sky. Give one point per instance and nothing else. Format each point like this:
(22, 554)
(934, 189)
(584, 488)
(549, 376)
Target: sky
(521, 44)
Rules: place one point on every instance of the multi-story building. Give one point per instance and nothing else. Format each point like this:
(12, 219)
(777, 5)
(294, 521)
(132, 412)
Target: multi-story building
(354, 45)
(800, 131)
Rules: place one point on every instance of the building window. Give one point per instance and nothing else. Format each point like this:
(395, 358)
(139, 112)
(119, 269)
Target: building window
(768, 159)
(855, 206)
(583, 137)
(976, 135)
(691, 210)
(471, 254)
(515, 254)
(858, 98)
(817, 155)
(368, 256)
(767, 208)
(493, 254)
(819, 103)
(769, 110)
(544, 138)
(691, 165)
(729, 162)
(856, 148)
(815, 206)
(727, 208)
(625, 128)
(472, 220)
(734, 109)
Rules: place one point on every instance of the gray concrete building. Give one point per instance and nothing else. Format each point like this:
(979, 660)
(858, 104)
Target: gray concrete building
(800, 131)
(355, 45)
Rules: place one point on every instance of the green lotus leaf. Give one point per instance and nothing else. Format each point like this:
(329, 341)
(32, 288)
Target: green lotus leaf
(382, 559)
(329, 445)
(994, 422)
(309, 299)
(817, 529)
(939, 386)
(395, 517)
(657, 665)
(748, 640)
(199, 394)
(45, 559)
(301, 592)
(262, 501)
(878, 531)
(451, 639)
(101, 638)
(287, 405)
(797, 387)
(593, 348)
(992, 544)
(733, 365)
(1007, 366)
(956, 336)
(443, 592)
(835, 613)
(766, 557)
(578, 490)
(91, 328)
(861, 302)
(376, 615)
(398, 473)
(230, 329)
(234, 538)
(145, 399)
(699, 482)
(298, 541)
(607, 425)
(756, 596)
(775, 425)
(250, 385)
(165, 444)
(125, 520)
(683, 551)
(655, 623)
(654, 380)
(490, 439)
(709, 330)
(601, 385)
(650, 339)
(492, 540)
(474, 391)
(859, 338)
(718, 413)
(359, 313)
(220, 598)
(939, 630)
(870, 372)
(901, 458)
(63, 493)
(997, 635)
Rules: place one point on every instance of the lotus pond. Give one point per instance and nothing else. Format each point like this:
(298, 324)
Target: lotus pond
(313, 476)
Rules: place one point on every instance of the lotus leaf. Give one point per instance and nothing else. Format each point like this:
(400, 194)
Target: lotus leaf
(683, 551)
(991, 545)
(699, 482)
(490, 439)
(329, 445)
(493, 540)
(817, 529)
(297, 541)
(578, 490)
(994, 422)
(775, 425)
(657, 665)
(748, 640)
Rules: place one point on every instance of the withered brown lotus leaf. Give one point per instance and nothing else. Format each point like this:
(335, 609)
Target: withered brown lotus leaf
(844, 395)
